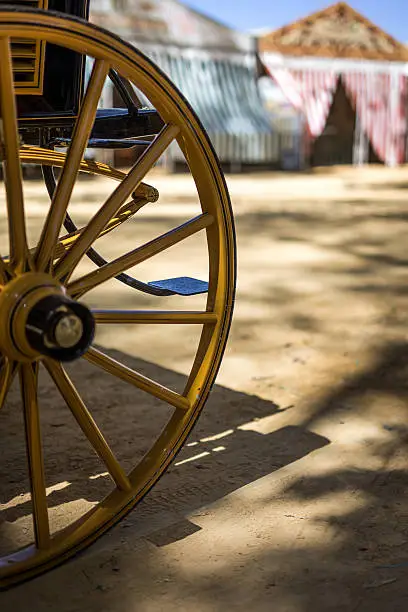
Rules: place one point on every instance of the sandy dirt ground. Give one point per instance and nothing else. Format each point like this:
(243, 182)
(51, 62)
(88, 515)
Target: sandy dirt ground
(291, 492)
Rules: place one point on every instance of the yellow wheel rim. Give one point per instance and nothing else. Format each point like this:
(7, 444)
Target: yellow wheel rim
(181, 124)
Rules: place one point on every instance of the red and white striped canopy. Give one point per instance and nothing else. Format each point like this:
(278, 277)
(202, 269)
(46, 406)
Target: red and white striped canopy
(381, 103)
(380, 100)
(310, 91)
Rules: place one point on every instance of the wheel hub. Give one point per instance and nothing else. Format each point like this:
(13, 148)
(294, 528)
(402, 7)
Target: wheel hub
(41, 320)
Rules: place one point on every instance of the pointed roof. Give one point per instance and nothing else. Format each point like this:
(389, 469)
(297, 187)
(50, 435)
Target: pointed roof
(337, 31)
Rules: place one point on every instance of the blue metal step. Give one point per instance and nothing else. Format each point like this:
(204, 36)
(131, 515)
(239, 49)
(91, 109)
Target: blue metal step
(183, 285)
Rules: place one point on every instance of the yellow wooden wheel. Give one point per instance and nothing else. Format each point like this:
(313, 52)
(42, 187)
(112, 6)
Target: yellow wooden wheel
(42, 321)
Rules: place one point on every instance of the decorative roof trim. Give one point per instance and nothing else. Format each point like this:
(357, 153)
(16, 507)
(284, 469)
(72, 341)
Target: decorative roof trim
(273, 40)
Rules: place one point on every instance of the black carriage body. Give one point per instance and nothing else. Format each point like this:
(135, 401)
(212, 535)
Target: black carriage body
(62, 71)
(47, 113)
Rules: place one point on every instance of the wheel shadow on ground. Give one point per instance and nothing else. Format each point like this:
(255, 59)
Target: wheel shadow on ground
(223, 453)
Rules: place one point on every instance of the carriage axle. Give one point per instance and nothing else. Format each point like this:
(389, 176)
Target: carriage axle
(40, 320)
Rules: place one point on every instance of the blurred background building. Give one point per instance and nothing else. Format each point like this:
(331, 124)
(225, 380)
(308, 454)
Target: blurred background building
(328, 89)
(214, 67)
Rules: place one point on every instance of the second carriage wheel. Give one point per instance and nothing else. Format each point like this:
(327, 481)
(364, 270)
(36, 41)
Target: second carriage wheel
(46, 318)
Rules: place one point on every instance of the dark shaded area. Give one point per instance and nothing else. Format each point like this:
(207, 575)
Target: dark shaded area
(335, 145)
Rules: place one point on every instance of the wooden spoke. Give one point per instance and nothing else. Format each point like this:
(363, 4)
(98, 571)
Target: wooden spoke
(115, 267)
(28, 381)
(87, 423)
(157, 317)
(10, 147)
(138, 380)
(7, 372)
(145, 162)
(65, 186)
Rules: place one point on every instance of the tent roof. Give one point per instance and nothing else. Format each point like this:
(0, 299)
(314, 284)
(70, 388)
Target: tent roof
(167, 22)
(337, 31)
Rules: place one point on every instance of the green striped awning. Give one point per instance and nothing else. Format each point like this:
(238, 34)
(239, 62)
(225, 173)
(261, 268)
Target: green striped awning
(222, 89)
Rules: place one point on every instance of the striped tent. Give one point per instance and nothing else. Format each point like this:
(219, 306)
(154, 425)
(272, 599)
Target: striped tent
(375, 80)
(222, 89)
(378, 94)
(212, 65)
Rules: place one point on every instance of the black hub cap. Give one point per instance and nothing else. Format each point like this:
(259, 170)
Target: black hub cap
(60, 328)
